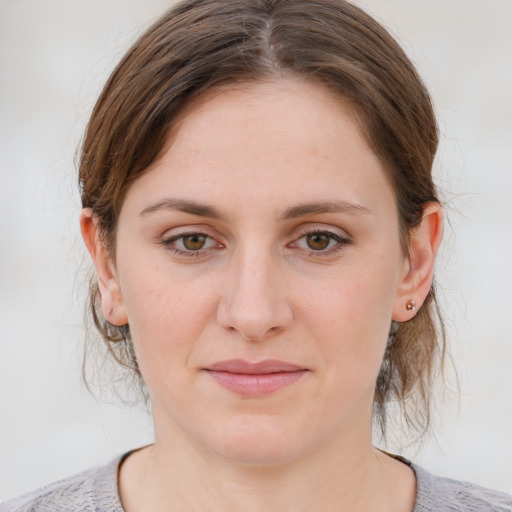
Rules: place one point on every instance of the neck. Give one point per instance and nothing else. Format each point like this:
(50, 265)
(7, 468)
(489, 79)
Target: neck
(344, 475)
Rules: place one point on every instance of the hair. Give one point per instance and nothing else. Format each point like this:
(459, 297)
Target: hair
(200, 45)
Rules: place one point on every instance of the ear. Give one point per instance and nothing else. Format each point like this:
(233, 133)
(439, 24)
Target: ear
(418, 273)
(112, 303)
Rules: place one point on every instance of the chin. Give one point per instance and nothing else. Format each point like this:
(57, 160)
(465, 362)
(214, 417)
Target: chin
(258, 442)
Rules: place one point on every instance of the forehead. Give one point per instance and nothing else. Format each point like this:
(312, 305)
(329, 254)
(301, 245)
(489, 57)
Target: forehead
(280, 111)
(286, 140)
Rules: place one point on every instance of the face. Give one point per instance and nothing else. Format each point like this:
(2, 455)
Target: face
(258, 264)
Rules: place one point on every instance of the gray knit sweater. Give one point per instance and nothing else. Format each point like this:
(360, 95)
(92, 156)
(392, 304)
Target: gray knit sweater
(96, 491)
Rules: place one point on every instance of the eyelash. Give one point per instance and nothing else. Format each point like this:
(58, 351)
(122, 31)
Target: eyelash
(340, 243)
(168, 241)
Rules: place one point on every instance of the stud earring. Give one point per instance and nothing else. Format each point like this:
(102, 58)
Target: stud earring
(411, 305)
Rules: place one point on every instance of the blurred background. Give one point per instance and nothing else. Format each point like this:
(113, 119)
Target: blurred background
(55, 56)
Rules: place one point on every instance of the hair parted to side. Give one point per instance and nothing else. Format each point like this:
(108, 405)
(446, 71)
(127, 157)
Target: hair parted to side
(200, 45)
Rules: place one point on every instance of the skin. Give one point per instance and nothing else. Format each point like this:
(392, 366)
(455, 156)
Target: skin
(261, 289)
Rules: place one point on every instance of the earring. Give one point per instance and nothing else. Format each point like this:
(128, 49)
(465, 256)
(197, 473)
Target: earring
(411, 305)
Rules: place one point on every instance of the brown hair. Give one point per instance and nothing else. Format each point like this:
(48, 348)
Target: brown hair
(203, 44)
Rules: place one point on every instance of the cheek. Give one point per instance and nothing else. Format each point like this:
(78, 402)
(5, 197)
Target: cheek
(350, 318)
(166, 316)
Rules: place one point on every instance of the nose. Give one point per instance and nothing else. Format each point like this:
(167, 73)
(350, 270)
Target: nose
(254, 302)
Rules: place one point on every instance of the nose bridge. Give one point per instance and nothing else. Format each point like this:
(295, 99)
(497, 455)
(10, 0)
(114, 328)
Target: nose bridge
(253, 303)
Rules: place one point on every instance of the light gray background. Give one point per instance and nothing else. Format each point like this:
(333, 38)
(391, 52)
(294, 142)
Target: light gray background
(54, 58)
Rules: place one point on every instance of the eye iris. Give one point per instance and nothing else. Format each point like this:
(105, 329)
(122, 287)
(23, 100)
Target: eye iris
(317, 241)
(194, 242)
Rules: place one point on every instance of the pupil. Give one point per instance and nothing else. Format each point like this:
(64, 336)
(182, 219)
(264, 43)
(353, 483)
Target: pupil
(194, 242)
(318, 241)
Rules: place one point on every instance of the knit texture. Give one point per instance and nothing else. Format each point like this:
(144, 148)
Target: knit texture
(96, 491)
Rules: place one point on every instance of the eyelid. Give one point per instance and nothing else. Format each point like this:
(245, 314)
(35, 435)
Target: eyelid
(311, 228)
(172, 235)
(340, 236)
(191, 229)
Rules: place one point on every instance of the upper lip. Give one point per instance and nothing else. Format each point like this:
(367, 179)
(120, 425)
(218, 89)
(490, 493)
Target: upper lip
(260, 368)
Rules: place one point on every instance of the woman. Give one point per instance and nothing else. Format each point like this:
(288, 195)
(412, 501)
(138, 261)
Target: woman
(259, 208)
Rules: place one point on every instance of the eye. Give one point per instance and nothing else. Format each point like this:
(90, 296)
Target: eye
(318, 241)
(190, 244)
(321, 242)
(194, 242)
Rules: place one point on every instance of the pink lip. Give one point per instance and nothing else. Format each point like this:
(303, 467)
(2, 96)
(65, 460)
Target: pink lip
(255, 379)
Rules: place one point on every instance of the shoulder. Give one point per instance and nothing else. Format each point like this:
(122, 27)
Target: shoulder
(91, 491)
(441, 494)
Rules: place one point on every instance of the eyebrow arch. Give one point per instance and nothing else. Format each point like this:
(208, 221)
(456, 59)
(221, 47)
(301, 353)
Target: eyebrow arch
(183, 205)
(323, 207)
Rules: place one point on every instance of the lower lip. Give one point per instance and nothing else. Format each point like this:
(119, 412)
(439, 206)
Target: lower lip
(256, 385)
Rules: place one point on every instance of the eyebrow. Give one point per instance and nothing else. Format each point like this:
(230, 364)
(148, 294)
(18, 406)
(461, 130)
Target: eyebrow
(302, 210)
(323, 207)
(183, 205)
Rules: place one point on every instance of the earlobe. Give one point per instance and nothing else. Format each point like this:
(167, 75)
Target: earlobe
(112, 303)
(418, 274)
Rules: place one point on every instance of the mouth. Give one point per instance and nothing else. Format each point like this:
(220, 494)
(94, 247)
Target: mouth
(255, 379)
